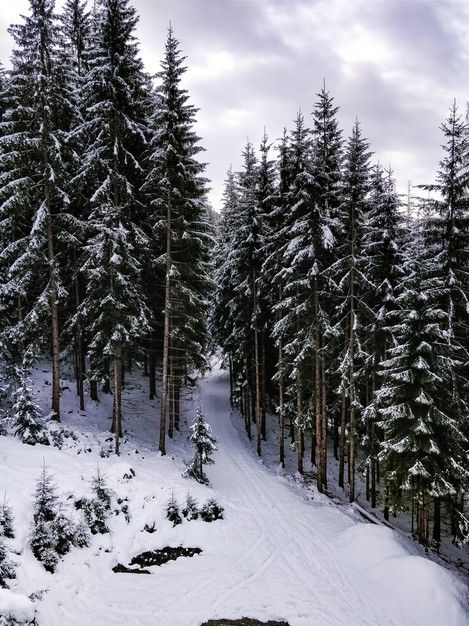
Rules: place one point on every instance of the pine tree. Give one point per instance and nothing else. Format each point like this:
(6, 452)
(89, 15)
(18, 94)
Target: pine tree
(172, 511)
(190, 510)
(6, 520)
(26, 413)
(33, 203)
(211, 511)
(423, 448)
(351, 286)
(383, 257)
(114, 308)
(53, 533)
(97, 510)
(204, 443)
(447, 241)
(7, 568)
(177, 190)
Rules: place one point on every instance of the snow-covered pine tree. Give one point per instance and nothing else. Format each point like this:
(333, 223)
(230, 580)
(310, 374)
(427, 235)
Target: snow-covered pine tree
(25, 411)
(6, 520)
(97, 510)
(53, 533)
(211, 511)
(204, 443)
(221, 321)
(245, 257)
(76, 37)
(273, 272)
(383, 257)
(326, 178)
(423, 448)
(351, 288)
(114, 308)
(286, 332)
(7, 568)
(172, 511)
(177, 190)
(32, 201)
(190, 510)
(447, 242)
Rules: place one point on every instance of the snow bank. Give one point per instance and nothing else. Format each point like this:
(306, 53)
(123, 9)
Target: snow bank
(16, 606)
(426, 593)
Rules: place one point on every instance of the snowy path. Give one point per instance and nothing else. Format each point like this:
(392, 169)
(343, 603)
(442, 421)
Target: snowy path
(277, 555)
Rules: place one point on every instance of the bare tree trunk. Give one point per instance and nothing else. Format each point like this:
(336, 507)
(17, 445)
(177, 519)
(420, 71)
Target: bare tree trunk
(262, 377)
(167, 308)
(54, 310)
(257, 380)
(171, 398)
(324, 422)
(281, 409)
(230, 361)
(117, 400)
(298, 433)
(437, 522)
(343, 414)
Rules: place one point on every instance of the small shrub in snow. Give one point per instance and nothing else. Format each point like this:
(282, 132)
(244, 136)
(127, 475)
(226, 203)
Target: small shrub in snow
(190, 510)
(6, 520)
(172, 511)
(211, 511)
(97, 509)
(7, 569)
(53, 533)
(204, 442)
(123, 507)
(26, 413)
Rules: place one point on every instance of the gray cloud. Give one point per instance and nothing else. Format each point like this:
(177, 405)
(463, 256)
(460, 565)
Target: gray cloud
(396, 65)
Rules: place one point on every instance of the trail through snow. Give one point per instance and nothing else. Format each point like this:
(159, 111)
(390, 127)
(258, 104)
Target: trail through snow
(278, 554)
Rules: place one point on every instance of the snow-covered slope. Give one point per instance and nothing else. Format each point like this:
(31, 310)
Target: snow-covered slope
(277, 554)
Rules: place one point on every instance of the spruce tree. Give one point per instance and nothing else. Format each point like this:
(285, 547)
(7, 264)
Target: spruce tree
(204, 443)
(6, 520)
(351, 288)
(26, 413)
(114, 308)
(383, 240)
(53, 533)
(423, 448)
(33, 203)
(172, 511)
(7, 568)
(176, 189)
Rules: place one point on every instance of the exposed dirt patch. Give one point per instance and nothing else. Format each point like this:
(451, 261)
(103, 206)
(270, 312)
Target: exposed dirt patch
(244, 621)
(154, 557)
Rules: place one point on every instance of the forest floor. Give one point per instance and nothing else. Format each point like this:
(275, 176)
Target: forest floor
(282, 553)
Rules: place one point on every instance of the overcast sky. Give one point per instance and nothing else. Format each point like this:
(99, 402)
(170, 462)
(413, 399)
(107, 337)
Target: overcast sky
(395, 65)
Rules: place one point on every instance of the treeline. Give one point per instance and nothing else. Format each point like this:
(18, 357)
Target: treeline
(105, 230)
(348, 312)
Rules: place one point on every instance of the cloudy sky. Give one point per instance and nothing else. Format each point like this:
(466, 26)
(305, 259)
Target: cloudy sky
(252, 63)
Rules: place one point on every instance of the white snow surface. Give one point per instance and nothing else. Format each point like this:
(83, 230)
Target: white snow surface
(278, 554)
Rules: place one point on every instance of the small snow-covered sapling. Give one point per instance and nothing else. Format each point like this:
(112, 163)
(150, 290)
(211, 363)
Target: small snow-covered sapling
(190, 510)
(172, 511)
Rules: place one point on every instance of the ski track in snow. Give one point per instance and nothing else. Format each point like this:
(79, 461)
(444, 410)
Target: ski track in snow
(277, 555)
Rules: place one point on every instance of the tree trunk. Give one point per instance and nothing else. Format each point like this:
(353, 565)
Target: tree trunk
(281, 408)
(230, 362)
(437, 522)
(342, 441)
(167, 308)
(257, 376)
(298, 439)
(262, 377)
(117, 400)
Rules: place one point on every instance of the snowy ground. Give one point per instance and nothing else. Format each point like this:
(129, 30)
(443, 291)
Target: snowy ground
(280, 553)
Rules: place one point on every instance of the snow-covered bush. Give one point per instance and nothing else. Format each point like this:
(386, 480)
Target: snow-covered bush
(53, 532)
(172, 511)
(204, 443)
(190, 510)
(211, 511)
